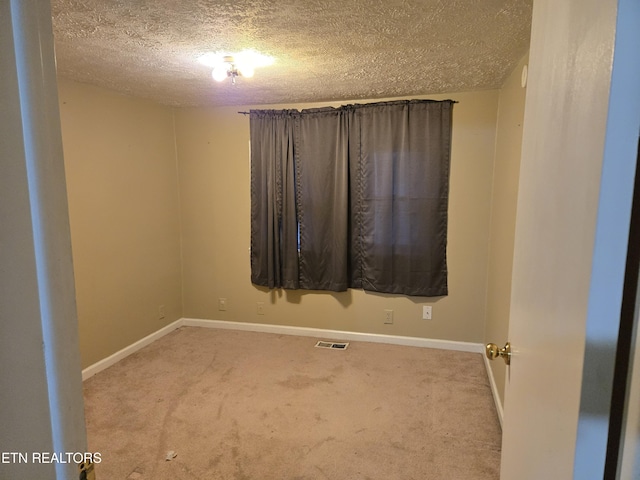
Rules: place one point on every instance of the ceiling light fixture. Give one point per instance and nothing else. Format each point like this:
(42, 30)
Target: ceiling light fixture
(233, 65)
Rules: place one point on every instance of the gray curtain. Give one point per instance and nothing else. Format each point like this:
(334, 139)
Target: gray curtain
(274, 230)
(403, 196)
(322, 168)
(352, 197)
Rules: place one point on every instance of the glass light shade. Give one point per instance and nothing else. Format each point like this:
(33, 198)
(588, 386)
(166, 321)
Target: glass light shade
(219, 73)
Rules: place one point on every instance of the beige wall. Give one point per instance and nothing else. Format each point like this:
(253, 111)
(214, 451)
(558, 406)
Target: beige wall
(124, 213)
(129, 207)
(213, 153)
(503, 214)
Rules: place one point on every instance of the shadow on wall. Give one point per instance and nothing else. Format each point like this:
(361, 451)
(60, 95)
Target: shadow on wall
(295, 296)
(343, 298)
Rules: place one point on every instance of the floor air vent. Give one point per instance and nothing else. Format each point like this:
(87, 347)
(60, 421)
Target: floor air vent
(334, 345)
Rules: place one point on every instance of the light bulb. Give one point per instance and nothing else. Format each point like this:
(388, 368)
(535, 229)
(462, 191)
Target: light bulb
(219, 73)
(210, 59)
(246, 70)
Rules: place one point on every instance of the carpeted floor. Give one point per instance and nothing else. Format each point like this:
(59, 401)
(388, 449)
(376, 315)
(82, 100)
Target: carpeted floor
(238, 405)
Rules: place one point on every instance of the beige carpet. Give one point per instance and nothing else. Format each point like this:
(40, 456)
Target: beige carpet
(254, 406)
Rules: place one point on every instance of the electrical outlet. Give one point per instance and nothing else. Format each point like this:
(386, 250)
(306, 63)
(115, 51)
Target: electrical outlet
(388, 316)
(426, 312)
(161, 312)
(260, 308)
(222, 304)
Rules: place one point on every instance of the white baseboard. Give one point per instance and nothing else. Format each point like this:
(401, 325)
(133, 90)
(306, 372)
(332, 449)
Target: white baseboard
(336, 334)
(494, 389)
(290, 330)
(105, 363)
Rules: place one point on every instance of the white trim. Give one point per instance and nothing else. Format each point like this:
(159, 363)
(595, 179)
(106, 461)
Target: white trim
(289, 330)
(105, 363)
(336, 334)
(494, 389)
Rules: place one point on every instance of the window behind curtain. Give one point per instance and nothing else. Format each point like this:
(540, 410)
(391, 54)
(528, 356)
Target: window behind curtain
(365, 187)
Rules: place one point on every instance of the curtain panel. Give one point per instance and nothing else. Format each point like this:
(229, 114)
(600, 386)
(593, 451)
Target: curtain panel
(351, 197)
(274, 228)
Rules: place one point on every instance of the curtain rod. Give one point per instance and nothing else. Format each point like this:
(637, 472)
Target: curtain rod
(249, 113)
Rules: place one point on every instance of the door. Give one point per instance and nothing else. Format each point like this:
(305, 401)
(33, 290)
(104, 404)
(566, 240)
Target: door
(575, 192)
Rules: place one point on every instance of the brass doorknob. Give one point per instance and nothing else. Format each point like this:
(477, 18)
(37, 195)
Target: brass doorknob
(493, 351)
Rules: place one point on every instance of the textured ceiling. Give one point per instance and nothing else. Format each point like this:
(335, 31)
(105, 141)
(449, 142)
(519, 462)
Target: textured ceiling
(324, 49)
